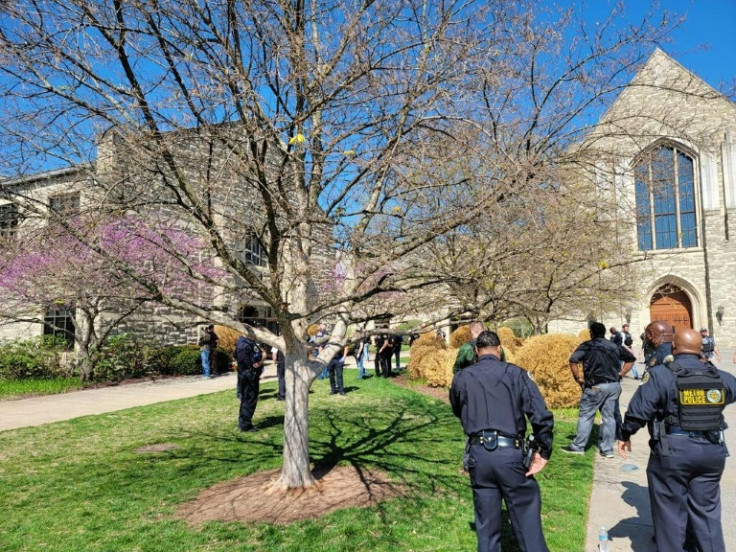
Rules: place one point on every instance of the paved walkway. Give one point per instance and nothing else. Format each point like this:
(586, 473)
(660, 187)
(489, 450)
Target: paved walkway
(619, 501)
(620, 498)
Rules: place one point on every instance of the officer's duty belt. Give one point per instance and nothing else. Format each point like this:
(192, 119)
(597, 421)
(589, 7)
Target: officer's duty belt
(503, 442)
(674, 430)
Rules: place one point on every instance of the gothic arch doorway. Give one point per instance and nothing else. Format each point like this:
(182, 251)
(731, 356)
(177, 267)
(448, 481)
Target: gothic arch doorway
(671, 304)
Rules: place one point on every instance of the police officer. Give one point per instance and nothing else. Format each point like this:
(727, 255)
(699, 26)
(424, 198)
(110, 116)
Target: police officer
(709, 346)
(495, 435)
(249, 357)
(683, 400)
(658, 336)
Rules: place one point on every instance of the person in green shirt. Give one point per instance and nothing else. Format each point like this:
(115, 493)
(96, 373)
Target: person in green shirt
(466, 353)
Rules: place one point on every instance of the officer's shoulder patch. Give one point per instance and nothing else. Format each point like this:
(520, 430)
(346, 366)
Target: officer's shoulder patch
(645, 378)
(653, 361)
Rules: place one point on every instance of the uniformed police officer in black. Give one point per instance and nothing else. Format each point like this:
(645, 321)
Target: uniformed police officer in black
(493, 399)
(658, 335)
(683, 400)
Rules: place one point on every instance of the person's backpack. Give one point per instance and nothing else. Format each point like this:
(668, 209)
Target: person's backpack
(247, 351)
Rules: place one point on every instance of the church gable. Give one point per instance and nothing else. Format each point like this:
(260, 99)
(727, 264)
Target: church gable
(664, 99)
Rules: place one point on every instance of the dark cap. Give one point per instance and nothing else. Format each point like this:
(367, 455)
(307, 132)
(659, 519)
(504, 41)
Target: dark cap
(703, 329)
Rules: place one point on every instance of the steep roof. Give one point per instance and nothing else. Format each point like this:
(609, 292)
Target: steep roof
(664, 99)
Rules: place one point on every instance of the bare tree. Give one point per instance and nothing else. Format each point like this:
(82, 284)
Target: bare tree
(317, 148)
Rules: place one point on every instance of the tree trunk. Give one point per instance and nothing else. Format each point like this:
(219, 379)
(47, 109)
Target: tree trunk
(296, 471)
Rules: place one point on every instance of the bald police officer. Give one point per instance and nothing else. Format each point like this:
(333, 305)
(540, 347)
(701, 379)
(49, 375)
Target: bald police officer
(658, 336)
(683, 400)
(495, 436)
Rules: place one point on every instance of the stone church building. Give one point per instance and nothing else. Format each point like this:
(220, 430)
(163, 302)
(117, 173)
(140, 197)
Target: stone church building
(665, 152)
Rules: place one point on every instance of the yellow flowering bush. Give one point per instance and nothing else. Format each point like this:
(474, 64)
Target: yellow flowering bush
(546, 357)
(228, 337)
(510, 342)
(459, 337)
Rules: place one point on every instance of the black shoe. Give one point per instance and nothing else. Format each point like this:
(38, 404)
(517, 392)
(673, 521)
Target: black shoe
(568, 449)
(280, 398)
(251, 429)
(607, 454)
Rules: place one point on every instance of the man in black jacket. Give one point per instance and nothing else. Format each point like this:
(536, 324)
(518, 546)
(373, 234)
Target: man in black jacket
(601, 359)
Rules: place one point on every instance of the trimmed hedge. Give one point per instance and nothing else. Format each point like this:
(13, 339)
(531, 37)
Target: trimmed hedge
(185, 360)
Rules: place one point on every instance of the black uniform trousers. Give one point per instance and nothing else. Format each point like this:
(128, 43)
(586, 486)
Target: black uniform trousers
(334, 369)
(497, 475)
(281, 376)
(684, 492)
(386, 357)
(249, 382)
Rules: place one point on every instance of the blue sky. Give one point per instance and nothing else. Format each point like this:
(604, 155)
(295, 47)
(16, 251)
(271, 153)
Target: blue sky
(705, 43)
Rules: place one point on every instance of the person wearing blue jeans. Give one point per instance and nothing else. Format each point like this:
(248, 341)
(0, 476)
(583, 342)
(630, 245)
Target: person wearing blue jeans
(335, 369)
(361, 356)
(207, 344)
(601, 360)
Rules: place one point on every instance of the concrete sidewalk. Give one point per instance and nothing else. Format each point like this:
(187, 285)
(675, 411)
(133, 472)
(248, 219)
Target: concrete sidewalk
(15, 414)
(620, 497)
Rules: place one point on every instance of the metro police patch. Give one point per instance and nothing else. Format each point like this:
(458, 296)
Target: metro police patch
(701, 397)
(645, 378)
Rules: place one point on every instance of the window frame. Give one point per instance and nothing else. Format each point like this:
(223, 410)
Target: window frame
(66, 203)
(660, 226)
(9, 220)
(254, 253)
(62, 323)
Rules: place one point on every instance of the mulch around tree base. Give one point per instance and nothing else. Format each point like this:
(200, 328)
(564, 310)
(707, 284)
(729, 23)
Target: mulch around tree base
(253, 498)
(440, 393)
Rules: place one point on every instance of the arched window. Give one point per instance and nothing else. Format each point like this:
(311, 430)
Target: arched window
(665, 200)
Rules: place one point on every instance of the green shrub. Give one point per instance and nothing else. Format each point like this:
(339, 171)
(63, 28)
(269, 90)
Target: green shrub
(407, 325)
(122, 357)
(185, 360)
(37, 358)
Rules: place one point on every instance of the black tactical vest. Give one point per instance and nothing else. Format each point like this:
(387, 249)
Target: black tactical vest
(701, 398)
(708, 345)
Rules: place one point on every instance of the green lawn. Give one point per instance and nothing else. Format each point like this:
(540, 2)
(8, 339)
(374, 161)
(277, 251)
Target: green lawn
(31, 387)
(80, 485)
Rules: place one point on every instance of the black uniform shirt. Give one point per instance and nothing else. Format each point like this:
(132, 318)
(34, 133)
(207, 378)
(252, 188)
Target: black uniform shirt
(601, 359)
(662, 351)
(656, 397)
(495, 395)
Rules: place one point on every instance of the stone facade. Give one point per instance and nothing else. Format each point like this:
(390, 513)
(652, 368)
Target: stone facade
(129, 174)
(666, 106)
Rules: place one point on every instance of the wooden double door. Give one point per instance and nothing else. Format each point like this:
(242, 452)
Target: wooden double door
(672, 305)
